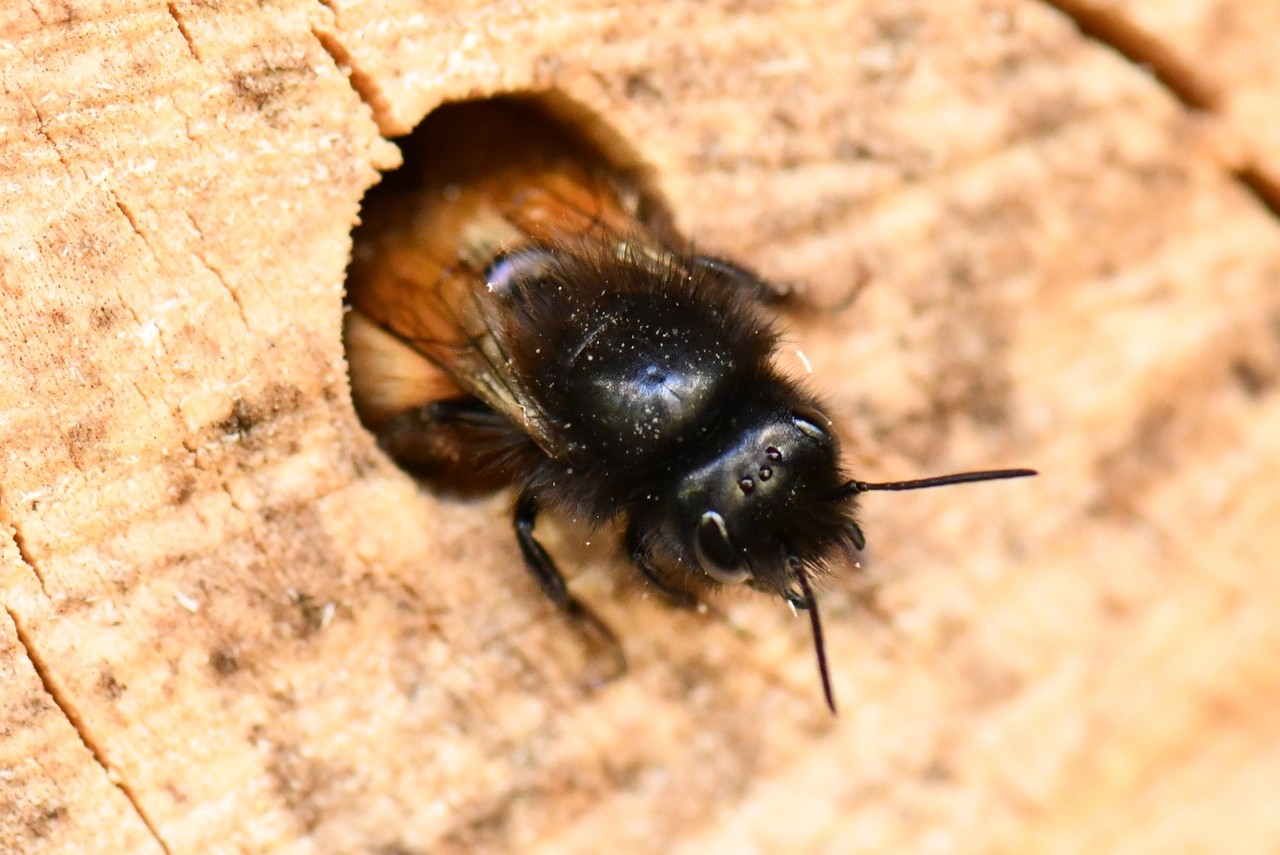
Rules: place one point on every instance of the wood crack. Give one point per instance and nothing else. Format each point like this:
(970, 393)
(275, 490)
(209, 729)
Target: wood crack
(1261, 186)
(1143, 49)
(133, 224)
(69, 712)
(19, 542)
(44, 132)
(1194, 90)
(363, 84)
(182, 28)
(207, 265)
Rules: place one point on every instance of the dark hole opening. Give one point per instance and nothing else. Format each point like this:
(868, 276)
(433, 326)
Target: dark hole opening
(441, 217)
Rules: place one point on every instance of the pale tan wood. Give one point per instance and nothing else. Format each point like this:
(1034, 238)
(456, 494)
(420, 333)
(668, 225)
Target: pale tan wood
(1221, 55)
(234, 626)
(53, 795)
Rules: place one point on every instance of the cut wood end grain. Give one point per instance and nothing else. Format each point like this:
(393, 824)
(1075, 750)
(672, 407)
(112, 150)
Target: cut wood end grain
(230, 622)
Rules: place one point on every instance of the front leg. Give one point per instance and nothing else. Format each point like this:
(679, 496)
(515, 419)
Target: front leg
(769, 293)
(774, 294)
(457, 445)
(641, 558)
(552, 583)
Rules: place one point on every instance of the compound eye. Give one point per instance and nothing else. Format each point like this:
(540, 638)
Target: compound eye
(714, 550)
(809, 427)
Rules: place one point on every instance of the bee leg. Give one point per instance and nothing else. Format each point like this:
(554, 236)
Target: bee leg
(770, 293)
(461, 411)
(678, 597)
(552, 583)
(641, 559)
(437, 443)
(776, 294)
(412, 433)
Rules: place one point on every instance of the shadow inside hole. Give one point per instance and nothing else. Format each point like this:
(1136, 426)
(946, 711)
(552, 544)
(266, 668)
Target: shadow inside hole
(466, 166)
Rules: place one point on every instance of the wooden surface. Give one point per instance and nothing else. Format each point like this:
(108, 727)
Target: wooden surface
(231, 625)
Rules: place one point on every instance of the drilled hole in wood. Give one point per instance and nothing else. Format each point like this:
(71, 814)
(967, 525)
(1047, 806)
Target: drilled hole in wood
(479, 179)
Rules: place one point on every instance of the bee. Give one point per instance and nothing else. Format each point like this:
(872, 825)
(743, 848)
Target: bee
(522, 314)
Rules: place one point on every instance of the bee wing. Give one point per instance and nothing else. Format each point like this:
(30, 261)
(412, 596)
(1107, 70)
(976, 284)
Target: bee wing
(388, 377)
(457, 325)
(421, 278)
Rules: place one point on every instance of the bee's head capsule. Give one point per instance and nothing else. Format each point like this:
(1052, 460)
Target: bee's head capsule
(762, 486)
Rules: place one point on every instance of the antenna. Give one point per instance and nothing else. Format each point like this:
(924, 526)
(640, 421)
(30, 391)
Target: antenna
(811, 606)
(853, 488)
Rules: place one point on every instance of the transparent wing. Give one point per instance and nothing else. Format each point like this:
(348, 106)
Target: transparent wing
(420, 276)
(457, 324)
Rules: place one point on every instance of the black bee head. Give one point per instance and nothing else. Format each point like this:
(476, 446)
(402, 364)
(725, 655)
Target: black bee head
(765, 506)
(759, 507)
